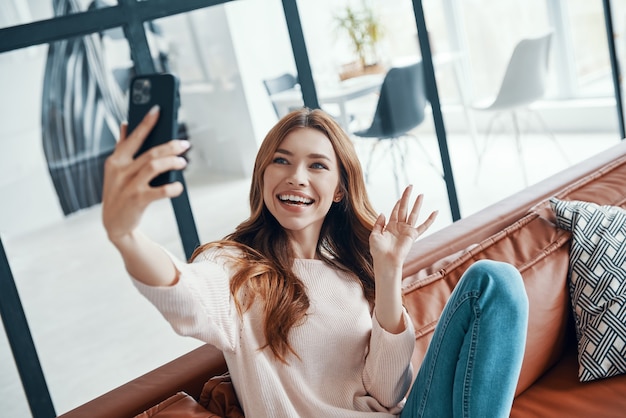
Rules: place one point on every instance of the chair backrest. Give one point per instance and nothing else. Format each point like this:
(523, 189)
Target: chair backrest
(402, 102)
(281, 83)
(526, 75)
(277, 84)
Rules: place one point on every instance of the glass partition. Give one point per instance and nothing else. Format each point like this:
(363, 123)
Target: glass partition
(516, 145)
(592, 70)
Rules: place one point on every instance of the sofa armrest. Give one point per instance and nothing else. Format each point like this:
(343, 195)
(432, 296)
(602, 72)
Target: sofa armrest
(187, 373)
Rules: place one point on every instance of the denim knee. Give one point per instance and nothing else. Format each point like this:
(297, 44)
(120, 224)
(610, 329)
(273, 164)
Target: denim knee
(503, 279)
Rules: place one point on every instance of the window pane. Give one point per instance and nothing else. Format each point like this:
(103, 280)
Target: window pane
(589, 49)
(575, 115)
(492, 29)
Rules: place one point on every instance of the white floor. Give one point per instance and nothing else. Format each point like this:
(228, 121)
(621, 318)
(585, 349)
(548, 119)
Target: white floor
(94, 332)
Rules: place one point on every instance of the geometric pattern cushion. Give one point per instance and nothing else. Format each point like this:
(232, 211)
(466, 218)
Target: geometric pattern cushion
(597, 284)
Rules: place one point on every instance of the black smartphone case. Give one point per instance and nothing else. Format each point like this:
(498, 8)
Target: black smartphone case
(145, 92)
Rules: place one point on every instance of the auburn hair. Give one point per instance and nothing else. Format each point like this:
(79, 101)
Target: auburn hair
(263, 265)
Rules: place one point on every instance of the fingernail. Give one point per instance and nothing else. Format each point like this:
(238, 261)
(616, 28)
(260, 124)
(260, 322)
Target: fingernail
(154, 109)
(184, 144)
(182, 161)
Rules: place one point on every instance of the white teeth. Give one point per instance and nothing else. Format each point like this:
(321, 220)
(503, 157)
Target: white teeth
(295, 199)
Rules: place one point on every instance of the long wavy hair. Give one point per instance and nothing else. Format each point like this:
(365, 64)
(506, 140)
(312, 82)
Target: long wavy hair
(263, 266)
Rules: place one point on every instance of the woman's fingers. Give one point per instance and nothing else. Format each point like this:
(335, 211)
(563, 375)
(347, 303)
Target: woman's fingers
(417, 206)
(404, 203)
(175, 147)
(427, 223)
(393, 217)
(123, 131)
(126, 190)
(379, 225)
(399, 213)
(149, 164)
(165, 191)
(157, 160)
(121, 160)
(130, 143)
(155, 166)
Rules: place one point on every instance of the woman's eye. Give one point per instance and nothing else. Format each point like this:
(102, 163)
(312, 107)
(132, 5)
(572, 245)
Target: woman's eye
(319, 166)
(280, 160)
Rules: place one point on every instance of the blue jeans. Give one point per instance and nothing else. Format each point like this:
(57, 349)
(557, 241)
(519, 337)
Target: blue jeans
(473, 362)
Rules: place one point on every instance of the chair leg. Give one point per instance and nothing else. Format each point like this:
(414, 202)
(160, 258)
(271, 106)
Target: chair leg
(429, 160)
(518, 144)
(481, 154)
(394, 148)
(550, 135)
(404, 152)
(369, 160)
(387, 151)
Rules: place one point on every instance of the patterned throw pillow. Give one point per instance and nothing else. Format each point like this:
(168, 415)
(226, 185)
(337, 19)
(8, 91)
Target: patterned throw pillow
(597, 284)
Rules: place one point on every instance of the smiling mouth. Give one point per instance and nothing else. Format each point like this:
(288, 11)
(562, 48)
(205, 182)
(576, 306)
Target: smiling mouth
(295, 200)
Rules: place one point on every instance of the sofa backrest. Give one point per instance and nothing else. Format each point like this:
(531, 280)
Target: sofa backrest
(519, 230)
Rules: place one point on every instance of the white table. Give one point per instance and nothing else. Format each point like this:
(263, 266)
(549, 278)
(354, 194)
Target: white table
(338, 94)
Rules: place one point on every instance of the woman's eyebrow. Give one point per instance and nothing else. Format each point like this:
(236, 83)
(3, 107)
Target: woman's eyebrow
(312, 155)
(283, 151)
(319, 156)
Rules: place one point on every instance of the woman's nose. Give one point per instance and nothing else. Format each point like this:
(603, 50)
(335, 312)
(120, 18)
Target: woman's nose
(297, 176)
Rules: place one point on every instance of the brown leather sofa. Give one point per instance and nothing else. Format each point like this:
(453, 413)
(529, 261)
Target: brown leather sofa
(521, 230)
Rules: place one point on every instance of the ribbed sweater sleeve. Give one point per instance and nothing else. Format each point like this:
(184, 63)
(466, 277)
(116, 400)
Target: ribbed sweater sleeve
(388, 373)
(199, 304)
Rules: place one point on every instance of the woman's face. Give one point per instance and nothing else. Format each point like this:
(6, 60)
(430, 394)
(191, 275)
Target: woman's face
(302, 181)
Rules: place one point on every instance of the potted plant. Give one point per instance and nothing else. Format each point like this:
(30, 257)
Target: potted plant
(365, 31)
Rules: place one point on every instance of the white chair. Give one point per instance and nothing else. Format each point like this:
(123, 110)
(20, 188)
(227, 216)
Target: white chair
(523, 84)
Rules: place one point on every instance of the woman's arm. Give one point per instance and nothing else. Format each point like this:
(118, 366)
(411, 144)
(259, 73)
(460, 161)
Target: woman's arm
(127, 193)
(389, 245)
(388, 373)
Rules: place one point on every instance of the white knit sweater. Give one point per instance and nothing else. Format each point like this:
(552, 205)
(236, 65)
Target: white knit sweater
(349, 366)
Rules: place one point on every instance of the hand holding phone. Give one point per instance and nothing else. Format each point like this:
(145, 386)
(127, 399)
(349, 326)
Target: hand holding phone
(149, 90)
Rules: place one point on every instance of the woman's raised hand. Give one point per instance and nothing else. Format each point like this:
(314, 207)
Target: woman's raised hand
(389, 245)
(126, 189)
(390, 242)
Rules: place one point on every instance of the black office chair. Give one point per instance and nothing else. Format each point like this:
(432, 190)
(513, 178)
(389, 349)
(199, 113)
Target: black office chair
(401, 108)
(277, 84)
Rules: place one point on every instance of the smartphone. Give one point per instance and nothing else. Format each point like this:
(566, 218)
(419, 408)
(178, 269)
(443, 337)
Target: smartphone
(145, 92)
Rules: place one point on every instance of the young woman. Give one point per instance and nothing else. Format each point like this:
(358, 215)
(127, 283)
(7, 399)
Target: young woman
(304, 297)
